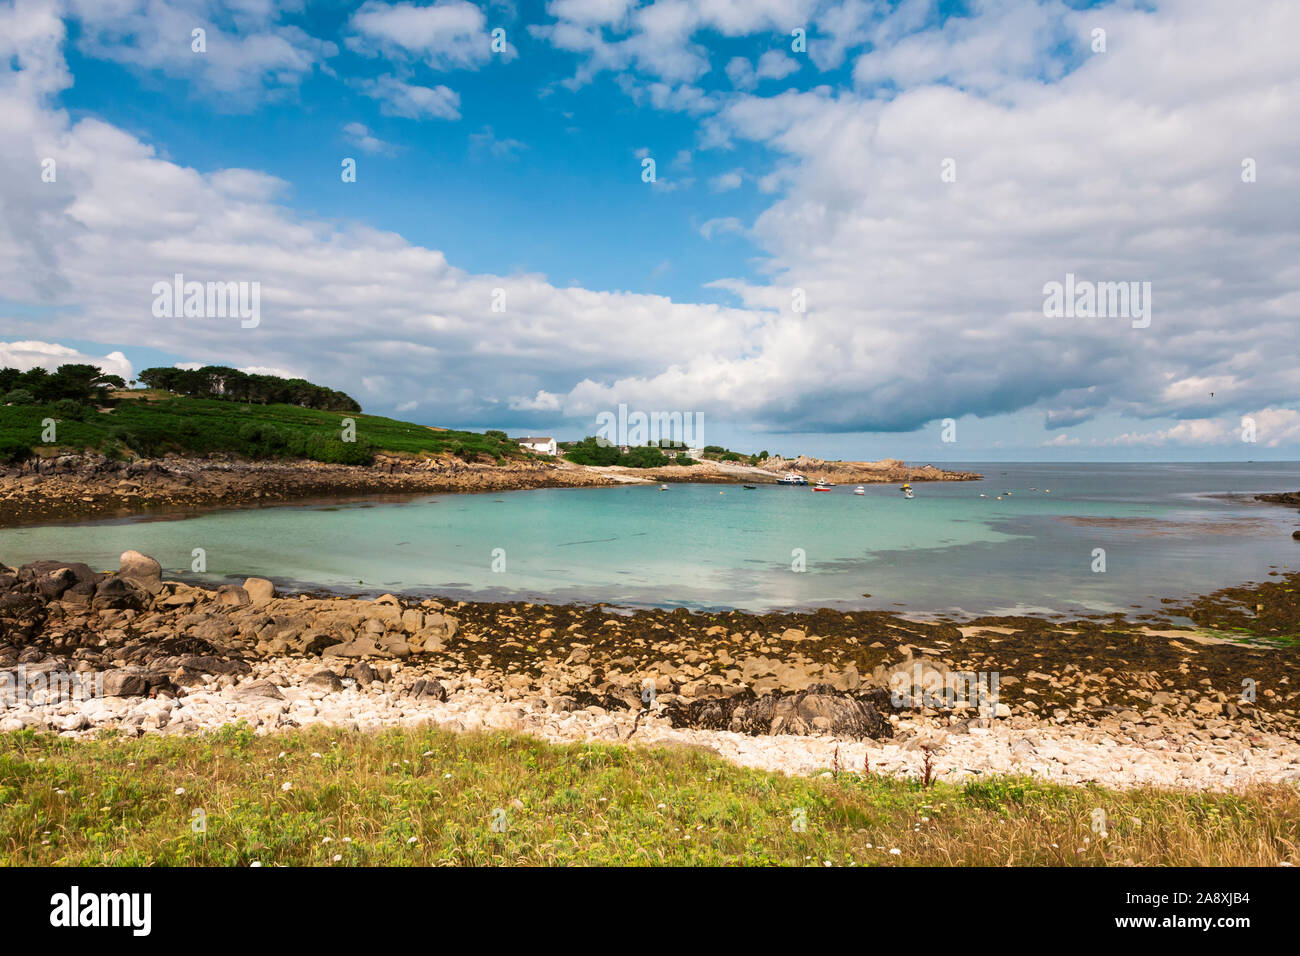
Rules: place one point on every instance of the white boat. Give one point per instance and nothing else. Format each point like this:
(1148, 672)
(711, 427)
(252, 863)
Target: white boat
(859, 490)
(792, 478)
(663, 487)
(907, 490)
(822, 485)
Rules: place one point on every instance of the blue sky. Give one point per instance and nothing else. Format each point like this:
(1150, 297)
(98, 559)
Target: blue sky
(780, 172)
(566, 201)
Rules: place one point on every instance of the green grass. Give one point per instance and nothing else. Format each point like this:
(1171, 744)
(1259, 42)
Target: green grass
(202, 426)
(428, 797)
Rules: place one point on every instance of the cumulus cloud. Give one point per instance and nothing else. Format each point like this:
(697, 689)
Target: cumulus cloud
(399, 98)
(1267, 427)
(772, 65)
(446, 35)
(412, 326)
(50, 355)
(359, 135)
(923, 290)
(726, 181)
(247, 53)
(1002, 38)
(925, 296)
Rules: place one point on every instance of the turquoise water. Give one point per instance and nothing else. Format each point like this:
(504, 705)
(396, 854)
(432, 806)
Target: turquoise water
(947, 550)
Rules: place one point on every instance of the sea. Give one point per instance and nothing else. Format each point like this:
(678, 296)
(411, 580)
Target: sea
(1030, 538)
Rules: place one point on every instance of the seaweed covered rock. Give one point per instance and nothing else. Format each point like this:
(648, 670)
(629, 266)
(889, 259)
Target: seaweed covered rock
(816, 710)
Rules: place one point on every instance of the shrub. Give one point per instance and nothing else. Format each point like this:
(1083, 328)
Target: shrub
(262, 438)
(69, 409)
(591, 451)
(645, 456)
(20, 396)
(332, 450)
(13, 451)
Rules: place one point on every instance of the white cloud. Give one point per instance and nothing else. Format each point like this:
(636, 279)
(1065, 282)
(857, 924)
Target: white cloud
(924, 296)
(486, 141)
(50, 355)
(663, 40)
(359, 135)
(342, 304)
(543, 401)
(398, 98)
(723, 182)
(268, 370)
(447, 35)
(589, 12)
(257, 57)
(715, 227)
(741, 73)
(1008, 38)
(1271, 428)
(772, 65)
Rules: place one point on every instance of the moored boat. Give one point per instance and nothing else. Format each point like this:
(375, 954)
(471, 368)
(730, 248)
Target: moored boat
(792, 478)
(859, 490)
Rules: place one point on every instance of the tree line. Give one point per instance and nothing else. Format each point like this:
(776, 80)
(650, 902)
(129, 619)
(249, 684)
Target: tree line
(82, 384)
(219, 382)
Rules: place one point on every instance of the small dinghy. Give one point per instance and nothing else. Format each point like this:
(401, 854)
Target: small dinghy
(749, 487)
(859, 490)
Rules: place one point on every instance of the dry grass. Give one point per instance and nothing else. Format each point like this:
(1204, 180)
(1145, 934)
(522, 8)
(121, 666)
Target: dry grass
(427, 797)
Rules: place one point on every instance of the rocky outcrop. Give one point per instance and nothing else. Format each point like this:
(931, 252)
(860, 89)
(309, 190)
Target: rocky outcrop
(70, 486)
(863, 472)
(1289, 498)
(819, 710)
(139, 567)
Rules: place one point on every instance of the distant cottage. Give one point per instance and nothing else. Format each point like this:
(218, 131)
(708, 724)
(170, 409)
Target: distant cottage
(542, 446)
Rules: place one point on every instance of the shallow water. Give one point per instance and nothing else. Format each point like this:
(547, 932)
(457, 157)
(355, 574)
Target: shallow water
(947, 550)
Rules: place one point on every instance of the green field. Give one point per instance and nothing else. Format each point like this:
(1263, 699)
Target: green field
(196, 426)
(430, 797)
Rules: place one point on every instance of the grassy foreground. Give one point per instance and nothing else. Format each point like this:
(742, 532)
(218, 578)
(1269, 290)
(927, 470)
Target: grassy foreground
(422, 797)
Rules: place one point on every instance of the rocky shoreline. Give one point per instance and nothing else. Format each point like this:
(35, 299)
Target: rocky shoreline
(1101, 700)
(91, 486)
(77, 487)
(1290, 499)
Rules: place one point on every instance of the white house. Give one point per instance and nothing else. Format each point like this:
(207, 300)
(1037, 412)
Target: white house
(542, 446)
